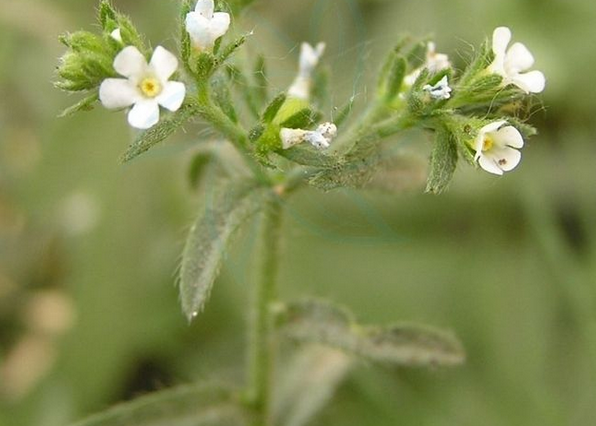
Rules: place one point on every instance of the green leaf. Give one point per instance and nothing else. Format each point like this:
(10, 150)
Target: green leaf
(304, 118)
(273, 108)
(167, 126)
(85, 104)
(309, 381)
(344, 112)
(239, 79)
(202, 405)
(106, 14)
(211, 235)
(443, 161)
(403, 345)
(306, 155)
(393, 77)
(222, 97)
(229, 49)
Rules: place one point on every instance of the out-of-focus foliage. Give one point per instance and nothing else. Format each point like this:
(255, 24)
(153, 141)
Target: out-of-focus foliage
(88, 247)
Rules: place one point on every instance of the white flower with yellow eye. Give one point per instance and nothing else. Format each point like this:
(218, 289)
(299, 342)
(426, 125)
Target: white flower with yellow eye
(320, 138)
(145, 87)
(510, 63)
(204, 26)
(309, 59)
(495, 147)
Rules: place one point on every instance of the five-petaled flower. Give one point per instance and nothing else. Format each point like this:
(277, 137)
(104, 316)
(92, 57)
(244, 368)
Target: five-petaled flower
(495, 147)
(320, 138)
(204, 26)
(146, 86)
(309, 59)
(510, 63)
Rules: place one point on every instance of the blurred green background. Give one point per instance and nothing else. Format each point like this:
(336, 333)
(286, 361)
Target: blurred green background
(89, 248)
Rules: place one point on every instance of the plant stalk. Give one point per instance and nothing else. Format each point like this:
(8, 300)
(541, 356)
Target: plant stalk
(261, 350)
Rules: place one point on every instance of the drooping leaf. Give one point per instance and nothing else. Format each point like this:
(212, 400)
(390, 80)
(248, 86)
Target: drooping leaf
(210, 237)
(309, 381)
(443, 161)
(166, 127)
(403, 345)
(202, 405)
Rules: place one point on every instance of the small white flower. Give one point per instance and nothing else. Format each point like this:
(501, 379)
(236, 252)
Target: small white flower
(510, 63)
(441, 90)
(204, 26)
(320, 138)
(495, 145)
(116, 35)
(309, 59)
(146, 86)
(434, 62)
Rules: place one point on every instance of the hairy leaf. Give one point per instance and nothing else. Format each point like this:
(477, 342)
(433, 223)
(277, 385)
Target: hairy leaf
(210, 237)
(203, 405)
(85, 104)
(167, 126)
(273, 108)
(404, 345)
(443, 161)
(309, 382)
(306, 155)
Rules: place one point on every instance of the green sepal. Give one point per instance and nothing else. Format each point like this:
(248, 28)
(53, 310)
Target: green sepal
(85, 104)
(305, 118)
(273, 108)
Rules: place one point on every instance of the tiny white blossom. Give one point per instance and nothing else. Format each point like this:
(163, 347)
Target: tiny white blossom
(320, 138)
(204, 26)
(434, 62)
(441, 90)
(145, 87)
(116, 35)
(495, 147)
(510, 63)
(309, 59)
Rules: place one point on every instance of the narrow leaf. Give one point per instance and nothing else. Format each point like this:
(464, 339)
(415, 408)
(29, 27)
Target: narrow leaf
(303, 119)
(395, 78)
(306, 155)
(167, 126)
(209, 238)
(443, 161)
(344, 112)
(273, 108)
(403, 345)
(203, 405)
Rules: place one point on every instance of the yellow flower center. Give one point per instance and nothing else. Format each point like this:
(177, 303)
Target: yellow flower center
(488, 143)
(150, 86)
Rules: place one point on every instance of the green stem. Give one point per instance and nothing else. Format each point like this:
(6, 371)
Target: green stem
(260, 357)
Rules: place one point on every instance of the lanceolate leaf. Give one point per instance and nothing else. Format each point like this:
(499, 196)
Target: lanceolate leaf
(204, 405)
(167, 126)
(225, 212)
(443, 161)
(404, 345)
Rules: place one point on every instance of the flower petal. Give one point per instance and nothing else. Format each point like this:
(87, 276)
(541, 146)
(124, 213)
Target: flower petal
(504, 158)
(501, 38)
(492, 127)
(508, 136)
(309, 57)
(163, 63)
(130, 62)
(144, 114)
(530, 82)
(489, 165)
(172, 95)
(117, 93)
(199, 29)
(205, 8)
(220, 24)
(291, 137)
(518, 59)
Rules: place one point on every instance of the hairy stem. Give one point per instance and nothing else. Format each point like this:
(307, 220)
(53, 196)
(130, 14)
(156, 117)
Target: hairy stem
(260, 356)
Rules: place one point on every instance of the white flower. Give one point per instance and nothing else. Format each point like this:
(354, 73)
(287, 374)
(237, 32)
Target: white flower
(204, 26)
(434, 62)
(441, 90)
(146, 86)
(320, 138)
(309, 59)
(509, 63)
(495, 145)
